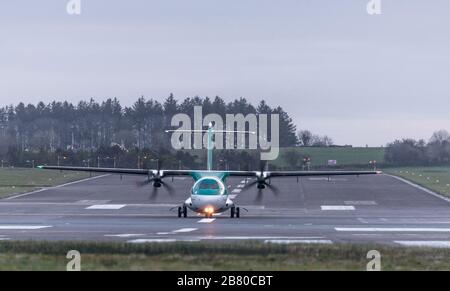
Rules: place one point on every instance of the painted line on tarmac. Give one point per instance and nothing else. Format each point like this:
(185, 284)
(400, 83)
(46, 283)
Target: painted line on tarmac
(390, 229)
(294, 241)
(420, 188)
(106, 207)
(56, 187)
(125, 235)
(184, 230)
(206, 220)
(337, 207)
(160, 240)
(426, 244)
(23, 227)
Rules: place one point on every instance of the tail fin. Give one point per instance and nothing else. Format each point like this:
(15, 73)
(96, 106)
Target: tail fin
(210, 146)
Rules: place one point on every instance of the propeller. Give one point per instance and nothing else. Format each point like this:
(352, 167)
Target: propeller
(262, 182)
(156, 179)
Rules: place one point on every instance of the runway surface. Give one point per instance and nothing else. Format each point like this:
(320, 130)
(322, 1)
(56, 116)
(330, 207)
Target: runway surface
(370, 209)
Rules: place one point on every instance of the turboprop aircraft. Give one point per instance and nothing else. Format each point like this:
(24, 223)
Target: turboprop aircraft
(209, 194)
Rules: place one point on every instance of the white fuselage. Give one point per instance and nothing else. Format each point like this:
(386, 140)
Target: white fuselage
(209, 200)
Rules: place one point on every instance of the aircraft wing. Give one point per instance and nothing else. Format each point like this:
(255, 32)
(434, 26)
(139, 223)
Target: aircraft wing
(122, 171)
(273, 174)
(318, 173)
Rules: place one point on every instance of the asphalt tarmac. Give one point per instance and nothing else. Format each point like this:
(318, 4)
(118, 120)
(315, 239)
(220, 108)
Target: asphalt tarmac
(370, 209)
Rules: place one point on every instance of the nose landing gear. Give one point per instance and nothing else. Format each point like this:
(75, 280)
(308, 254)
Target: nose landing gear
(182, 211)
(235, 212)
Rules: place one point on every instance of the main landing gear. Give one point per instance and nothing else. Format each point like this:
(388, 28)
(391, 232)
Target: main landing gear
(182, 211)
(235, 212)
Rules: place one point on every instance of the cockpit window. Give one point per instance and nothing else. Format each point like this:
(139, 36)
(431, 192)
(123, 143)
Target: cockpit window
(208, 187)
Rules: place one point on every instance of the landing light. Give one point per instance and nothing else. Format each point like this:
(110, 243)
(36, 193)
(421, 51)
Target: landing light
(209, 210)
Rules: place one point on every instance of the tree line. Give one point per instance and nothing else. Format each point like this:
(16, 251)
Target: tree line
(107, 133)
(411, 152)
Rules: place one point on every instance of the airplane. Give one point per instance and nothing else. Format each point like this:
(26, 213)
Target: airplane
(209, 194)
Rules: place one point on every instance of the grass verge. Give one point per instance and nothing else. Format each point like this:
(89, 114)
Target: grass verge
(22, 180)
(434, 178)
(215, 256)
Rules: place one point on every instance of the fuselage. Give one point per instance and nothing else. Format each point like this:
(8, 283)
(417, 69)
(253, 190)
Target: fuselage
(209, 195)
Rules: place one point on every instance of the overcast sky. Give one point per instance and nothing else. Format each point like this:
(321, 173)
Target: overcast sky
(337, 70)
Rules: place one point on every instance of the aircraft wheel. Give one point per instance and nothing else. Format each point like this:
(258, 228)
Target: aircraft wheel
(232, 212)
(184, 211)
(180, 212)
(238, 212)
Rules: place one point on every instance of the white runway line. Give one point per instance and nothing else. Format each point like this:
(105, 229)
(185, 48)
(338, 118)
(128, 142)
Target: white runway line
(337, 207)
(23, 227)
(232, 196)
(389, 229)
(184, 230)
(160, 240)
(258, 238)
(55, 187)
(430, 244)
(206, 220)
(125, 235)
(237, 191)
(106, 207)
(241, 186)
(285, 242)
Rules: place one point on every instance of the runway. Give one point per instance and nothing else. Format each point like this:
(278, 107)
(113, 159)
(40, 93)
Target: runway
(371, 209)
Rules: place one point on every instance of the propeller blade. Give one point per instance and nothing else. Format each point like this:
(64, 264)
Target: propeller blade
(144, 183)
(169, 188)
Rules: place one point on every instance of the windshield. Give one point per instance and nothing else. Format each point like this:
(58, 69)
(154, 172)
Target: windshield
(208, 187)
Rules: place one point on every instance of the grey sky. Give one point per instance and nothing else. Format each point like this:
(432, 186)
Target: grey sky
(361, 79)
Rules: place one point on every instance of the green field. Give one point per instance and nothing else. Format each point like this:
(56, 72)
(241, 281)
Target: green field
(215, 256)
(434, 178)
(20, 180)
(343, 155)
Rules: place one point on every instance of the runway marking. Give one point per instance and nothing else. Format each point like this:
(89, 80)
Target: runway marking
(55, 187)
(184, 230)
(258, 238)
(159, 240)
(23, 227)
(393, 229)
(362, 203)
(163, 233)
(125, 235)
(337, 207)
(106, 206)
(279, 241)
(206, 220)
(237, 191)
(431, 244)
(232, 196)
(420, 188)
(241, 186)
